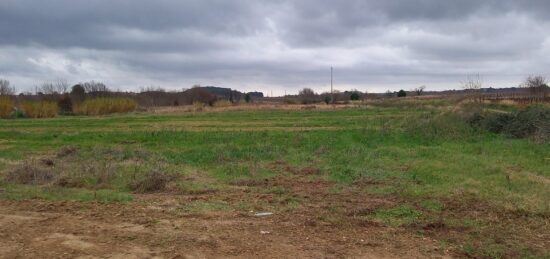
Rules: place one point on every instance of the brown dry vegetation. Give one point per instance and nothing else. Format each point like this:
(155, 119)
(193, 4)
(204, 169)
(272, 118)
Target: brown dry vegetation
(101, 106)
(6, 106)
(40, 109)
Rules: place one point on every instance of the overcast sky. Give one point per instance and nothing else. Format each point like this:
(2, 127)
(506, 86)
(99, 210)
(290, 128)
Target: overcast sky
(274, 45)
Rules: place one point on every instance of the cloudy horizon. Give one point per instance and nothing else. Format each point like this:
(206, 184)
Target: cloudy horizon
(274, 46)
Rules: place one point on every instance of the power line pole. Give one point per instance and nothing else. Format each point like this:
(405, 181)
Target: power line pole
(331, 86)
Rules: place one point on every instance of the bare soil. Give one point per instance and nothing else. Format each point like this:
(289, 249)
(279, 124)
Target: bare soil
(154, 226)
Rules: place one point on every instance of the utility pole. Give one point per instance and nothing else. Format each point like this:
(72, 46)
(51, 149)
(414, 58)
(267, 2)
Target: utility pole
(331, 89)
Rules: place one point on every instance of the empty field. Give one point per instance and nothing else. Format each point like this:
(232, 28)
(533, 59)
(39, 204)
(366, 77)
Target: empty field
(396, 181)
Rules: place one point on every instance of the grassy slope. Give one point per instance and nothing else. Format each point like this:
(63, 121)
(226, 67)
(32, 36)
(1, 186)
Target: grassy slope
(423, 169)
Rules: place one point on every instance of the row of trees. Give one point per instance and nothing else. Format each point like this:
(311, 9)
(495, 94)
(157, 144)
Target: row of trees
(67, 97)
(308, 96)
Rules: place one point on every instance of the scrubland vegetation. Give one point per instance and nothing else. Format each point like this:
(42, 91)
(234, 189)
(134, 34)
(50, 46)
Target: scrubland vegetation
(473, 178)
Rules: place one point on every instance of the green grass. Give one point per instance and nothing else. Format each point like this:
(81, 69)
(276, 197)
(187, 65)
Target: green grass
(20, 192)
(234, 147)
(398, 216)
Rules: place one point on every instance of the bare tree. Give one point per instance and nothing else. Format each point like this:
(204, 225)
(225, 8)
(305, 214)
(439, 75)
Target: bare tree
(307, 95)
(152, 89)
(5, 88)
(61, 86)
(538, 87)
(94, 86)
(419, 90)
(46, 88)
(155, 96)
(473, 85)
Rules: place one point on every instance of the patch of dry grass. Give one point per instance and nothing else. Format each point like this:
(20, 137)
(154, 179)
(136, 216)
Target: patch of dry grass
(30, 173)
(154, 181)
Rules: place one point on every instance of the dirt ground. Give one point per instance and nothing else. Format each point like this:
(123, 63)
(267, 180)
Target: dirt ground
(152, 226)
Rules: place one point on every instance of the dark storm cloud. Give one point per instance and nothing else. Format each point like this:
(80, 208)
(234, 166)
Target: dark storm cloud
(273, 44)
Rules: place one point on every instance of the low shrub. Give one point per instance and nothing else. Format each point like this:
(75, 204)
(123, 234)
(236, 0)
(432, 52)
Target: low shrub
(526, 122)
(6, 106)
(40, 109)
(101, 106)
(532, 121)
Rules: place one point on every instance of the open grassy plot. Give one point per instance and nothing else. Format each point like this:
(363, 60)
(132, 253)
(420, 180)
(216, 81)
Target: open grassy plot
(381, 181)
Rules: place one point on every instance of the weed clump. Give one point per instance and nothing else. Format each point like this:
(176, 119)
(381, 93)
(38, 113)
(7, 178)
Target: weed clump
(66, 151)
(29, 174)
(69, 182)
(154, 181)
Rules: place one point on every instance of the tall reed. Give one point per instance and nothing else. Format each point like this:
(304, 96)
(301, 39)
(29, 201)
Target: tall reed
(105, 105)
(6, 106)
(39, 109)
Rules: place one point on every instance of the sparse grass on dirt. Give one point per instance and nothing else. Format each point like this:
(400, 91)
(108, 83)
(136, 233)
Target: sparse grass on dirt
(410, 171)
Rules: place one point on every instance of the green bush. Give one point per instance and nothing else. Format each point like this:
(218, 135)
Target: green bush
(355, 96)
(401, 93)
(520, 124)
(495, 122)
(526, 122)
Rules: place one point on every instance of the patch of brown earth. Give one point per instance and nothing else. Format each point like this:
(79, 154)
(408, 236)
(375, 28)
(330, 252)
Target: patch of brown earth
(324, 224)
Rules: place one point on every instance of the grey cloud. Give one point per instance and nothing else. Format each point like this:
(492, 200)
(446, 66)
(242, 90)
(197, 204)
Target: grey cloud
(279, 44)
